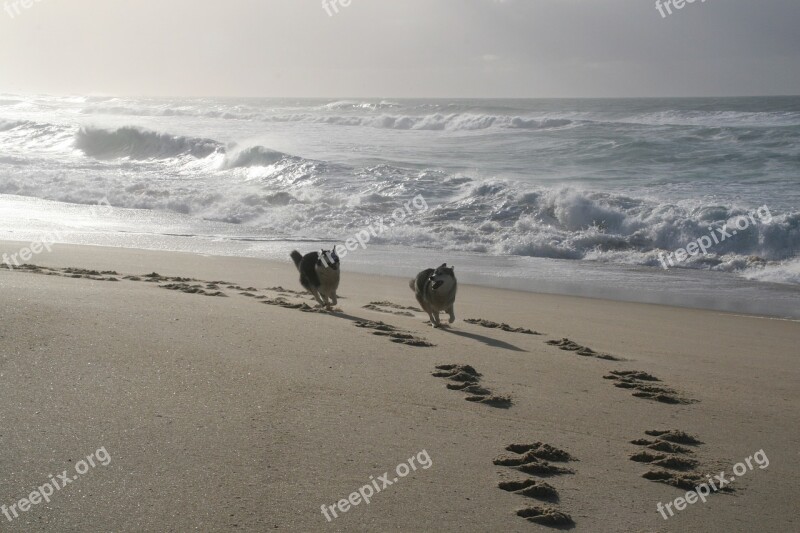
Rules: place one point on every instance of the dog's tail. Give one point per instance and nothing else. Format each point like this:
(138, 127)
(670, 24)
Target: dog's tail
(296, 257)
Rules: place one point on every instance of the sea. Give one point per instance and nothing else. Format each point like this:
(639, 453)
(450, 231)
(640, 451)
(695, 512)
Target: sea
(586, 197)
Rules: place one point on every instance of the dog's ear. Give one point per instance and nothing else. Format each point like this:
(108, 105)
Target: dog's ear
(453, 268)
(444, 265)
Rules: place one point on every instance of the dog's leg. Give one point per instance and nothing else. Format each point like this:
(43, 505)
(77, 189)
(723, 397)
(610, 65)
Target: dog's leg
(422, 304)
(435, 319)
(431, 319)
(315, 293)
(426, 308)
(452, 314)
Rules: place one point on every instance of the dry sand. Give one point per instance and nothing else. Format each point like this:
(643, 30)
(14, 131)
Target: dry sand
(227, 414)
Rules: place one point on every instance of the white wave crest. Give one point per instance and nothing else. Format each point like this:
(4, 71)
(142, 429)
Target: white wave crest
(137, 143)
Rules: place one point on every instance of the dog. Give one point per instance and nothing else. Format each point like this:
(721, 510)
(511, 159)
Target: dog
(435, 289)
(319, 274)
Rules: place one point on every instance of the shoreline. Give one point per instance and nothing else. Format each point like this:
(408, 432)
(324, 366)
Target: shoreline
(684, 288)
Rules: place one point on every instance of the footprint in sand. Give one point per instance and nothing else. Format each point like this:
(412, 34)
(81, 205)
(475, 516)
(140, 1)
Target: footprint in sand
(395, 335)
(392, 308)
(642, 385)
(533, 459)
(542, 451)
(546, 516)
(240, 288)
(503, 402)
(673, 458)
(531, 488)
(373, 307)
(155, 277)
(665, 461)
(572, 346)
(466, 379)
(281, 299)
(193, 289)
(91, 274)
(501, 326)
(105, 275)
(469, 387)
(662, 446)
(674, 435)
(281, 290)
(251, 295)
(463, 373)
(177, 283)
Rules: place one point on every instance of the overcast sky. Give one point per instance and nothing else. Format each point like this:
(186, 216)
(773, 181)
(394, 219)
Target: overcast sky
(400, 48)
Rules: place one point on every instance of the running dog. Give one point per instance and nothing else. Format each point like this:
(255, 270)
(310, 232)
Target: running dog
(319, 274)
(435, 290)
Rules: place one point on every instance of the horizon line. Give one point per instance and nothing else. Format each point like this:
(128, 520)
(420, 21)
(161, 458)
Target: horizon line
(349, 97)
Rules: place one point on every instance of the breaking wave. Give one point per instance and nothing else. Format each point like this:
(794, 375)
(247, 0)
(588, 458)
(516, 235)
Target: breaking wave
(140, 144)
(433, 122)
(137, 143)
(6, 125)
(257, 156)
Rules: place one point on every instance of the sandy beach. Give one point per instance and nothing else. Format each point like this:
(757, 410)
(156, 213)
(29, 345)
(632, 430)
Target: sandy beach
(222, 406)
(225, 230)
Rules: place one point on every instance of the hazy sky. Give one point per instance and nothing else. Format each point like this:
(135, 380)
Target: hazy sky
(436, 48)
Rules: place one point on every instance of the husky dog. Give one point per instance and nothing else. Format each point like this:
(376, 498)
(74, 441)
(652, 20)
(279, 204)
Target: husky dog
(435, 290)
(319, 274)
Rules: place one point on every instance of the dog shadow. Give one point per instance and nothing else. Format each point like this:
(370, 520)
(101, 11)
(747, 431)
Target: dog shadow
(494, 343)
(346, 316)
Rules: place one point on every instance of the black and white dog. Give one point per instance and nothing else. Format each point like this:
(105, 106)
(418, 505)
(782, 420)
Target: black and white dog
(319, 274)
(435, 289)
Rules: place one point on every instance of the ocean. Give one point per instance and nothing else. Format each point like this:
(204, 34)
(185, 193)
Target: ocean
(576, 196)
